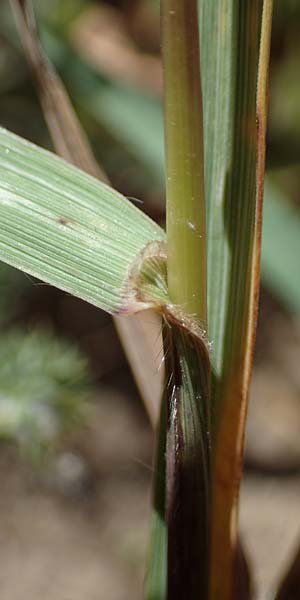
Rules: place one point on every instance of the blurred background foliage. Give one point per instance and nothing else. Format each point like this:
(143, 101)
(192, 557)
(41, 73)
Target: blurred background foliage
(45, 380)
(52, 346)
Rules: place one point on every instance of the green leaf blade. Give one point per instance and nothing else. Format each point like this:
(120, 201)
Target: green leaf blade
(235, 40)
(65, 227)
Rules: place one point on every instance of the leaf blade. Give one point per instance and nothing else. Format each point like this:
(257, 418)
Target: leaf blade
(230, 34)
(86, 248)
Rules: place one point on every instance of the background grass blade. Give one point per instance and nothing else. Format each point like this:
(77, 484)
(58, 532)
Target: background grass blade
(66, 228)
(230, 36)
(71, 143)
(281, 248)
(67, 134)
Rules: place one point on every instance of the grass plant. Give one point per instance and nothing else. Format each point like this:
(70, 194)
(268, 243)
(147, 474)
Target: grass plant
(201, 276)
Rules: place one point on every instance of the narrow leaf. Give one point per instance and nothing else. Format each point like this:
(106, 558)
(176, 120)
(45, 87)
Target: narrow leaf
(66, 228)
(234, 154)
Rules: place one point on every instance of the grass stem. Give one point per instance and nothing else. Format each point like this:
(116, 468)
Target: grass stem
(186, 235)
